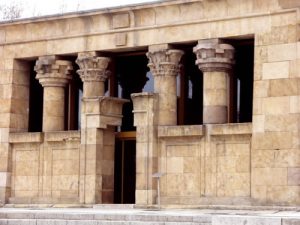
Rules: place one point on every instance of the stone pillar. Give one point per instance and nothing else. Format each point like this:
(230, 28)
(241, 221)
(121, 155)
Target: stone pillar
(53, 74)
(99, 116)
(215, 59)
(93, 72)
(164, 65)
(145, 114)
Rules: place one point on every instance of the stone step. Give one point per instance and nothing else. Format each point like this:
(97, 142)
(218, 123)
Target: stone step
(88, 222)
(93, 216)
(113, 206)
(96, 217)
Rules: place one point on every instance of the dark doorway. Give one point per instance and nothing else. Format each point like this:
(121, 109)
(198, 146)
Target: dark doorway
(125, 161)
(130, 75)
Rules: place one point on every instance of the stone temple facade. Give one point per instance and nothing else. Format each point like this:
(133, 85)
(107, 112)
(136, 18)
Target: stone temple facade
(204, 93)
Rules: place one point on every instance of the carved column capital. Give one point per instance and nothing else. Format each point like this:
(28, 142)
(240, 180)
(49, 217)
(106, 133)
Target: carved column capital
(213, 55)
(52, 72)
(92, 67)
(164, 62)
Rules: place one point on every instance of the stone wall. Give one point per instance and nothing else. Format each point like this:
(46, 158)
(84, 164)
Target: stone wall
(205, 164)
(254, 163)
(45, 167)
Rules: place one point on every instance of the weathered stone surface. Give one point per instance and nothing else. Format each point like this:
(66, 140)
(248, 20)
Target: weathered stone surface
(200, 164)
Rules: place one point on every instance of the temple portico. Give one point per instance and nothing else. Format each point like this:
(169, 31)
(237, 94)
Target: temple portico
(202, 93)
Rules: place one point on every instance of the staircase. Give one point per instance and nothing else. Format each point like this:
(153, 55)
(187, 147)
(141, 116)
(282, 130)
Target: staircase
(128, 215)
(50, 216)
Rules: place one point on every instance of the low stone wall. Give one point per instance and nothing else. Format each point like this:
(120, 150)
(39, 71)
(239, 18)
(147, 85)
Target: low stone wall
(205, 164)
(45, 167)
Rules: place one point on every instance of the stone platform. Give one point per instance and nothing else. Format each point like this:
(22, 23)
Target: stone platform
(133, 216)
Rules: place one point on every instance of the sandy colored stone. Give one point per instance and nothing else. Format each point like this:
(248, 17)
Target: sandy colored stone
(275, 70)
(258, 123)
(203, 163)
(269, 176)
(261, 88)
(282, 122)
(120, 21)
(276, 105)
(282, 52)
(283, 87)
(272, 140)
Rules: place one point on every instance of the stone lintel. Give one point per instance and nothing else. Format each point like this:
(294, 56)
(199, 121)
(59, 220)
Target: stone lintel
(214, 55)
(35, 137)
(229, 129)
(58, 136)
(180, 131)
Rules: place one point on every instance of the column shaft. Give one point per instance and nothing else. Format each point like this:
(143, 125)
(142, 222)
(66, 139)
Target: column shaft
(94, 88)
(166, 86)
(54, 109)
(164, 65)
(215, 98)
(215, 60)
(54, 75)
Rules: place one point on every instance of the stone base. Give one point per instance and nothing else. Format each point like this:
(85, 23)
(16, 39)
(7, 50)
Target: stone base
(36, 200)
(207, 201)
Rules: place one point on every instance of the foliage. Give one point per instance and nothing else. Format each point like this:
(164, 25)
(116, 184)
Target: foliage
(10, 11)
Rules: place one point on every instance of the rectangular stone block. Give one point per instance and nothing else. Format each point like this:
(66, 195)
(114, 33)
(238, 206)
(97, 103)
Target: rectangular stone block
(290, 221)
(260, 88)
(288, 122)
(25, 183)
(183, 184)
(275, 70)
(282, 52)
(175, 165)
(239, 220)
(263, 158)
(65, 167)
(27, 168)
(294, 176)
(281, 193)
(65, 182)
(276, 105)
(283, 87)
(5, 179)
(233, 184)
(26, 155)
(182, 151)
(287, 158)
(191, 165)
(120, 21)
(258, 123)
(294, 104)
(51, 222)
(269, 176)
(272, 140)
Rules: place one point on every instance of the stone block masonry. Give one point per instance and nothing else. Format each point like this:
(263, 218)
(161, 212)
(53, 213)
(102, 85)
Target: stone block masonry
(225, 58)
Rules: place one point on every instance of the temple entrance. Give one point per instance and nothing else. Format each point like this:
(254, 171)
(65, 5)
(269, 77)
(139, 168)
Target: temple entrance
(125, 155)
(130, 76)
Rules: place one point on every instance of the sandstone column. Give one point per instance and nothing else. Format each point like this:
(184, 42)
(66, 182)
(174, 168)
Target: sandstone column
(54, 75)
(93, 72)
(99, 116)
(215, 59)
(164, 65)
(145, 114)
